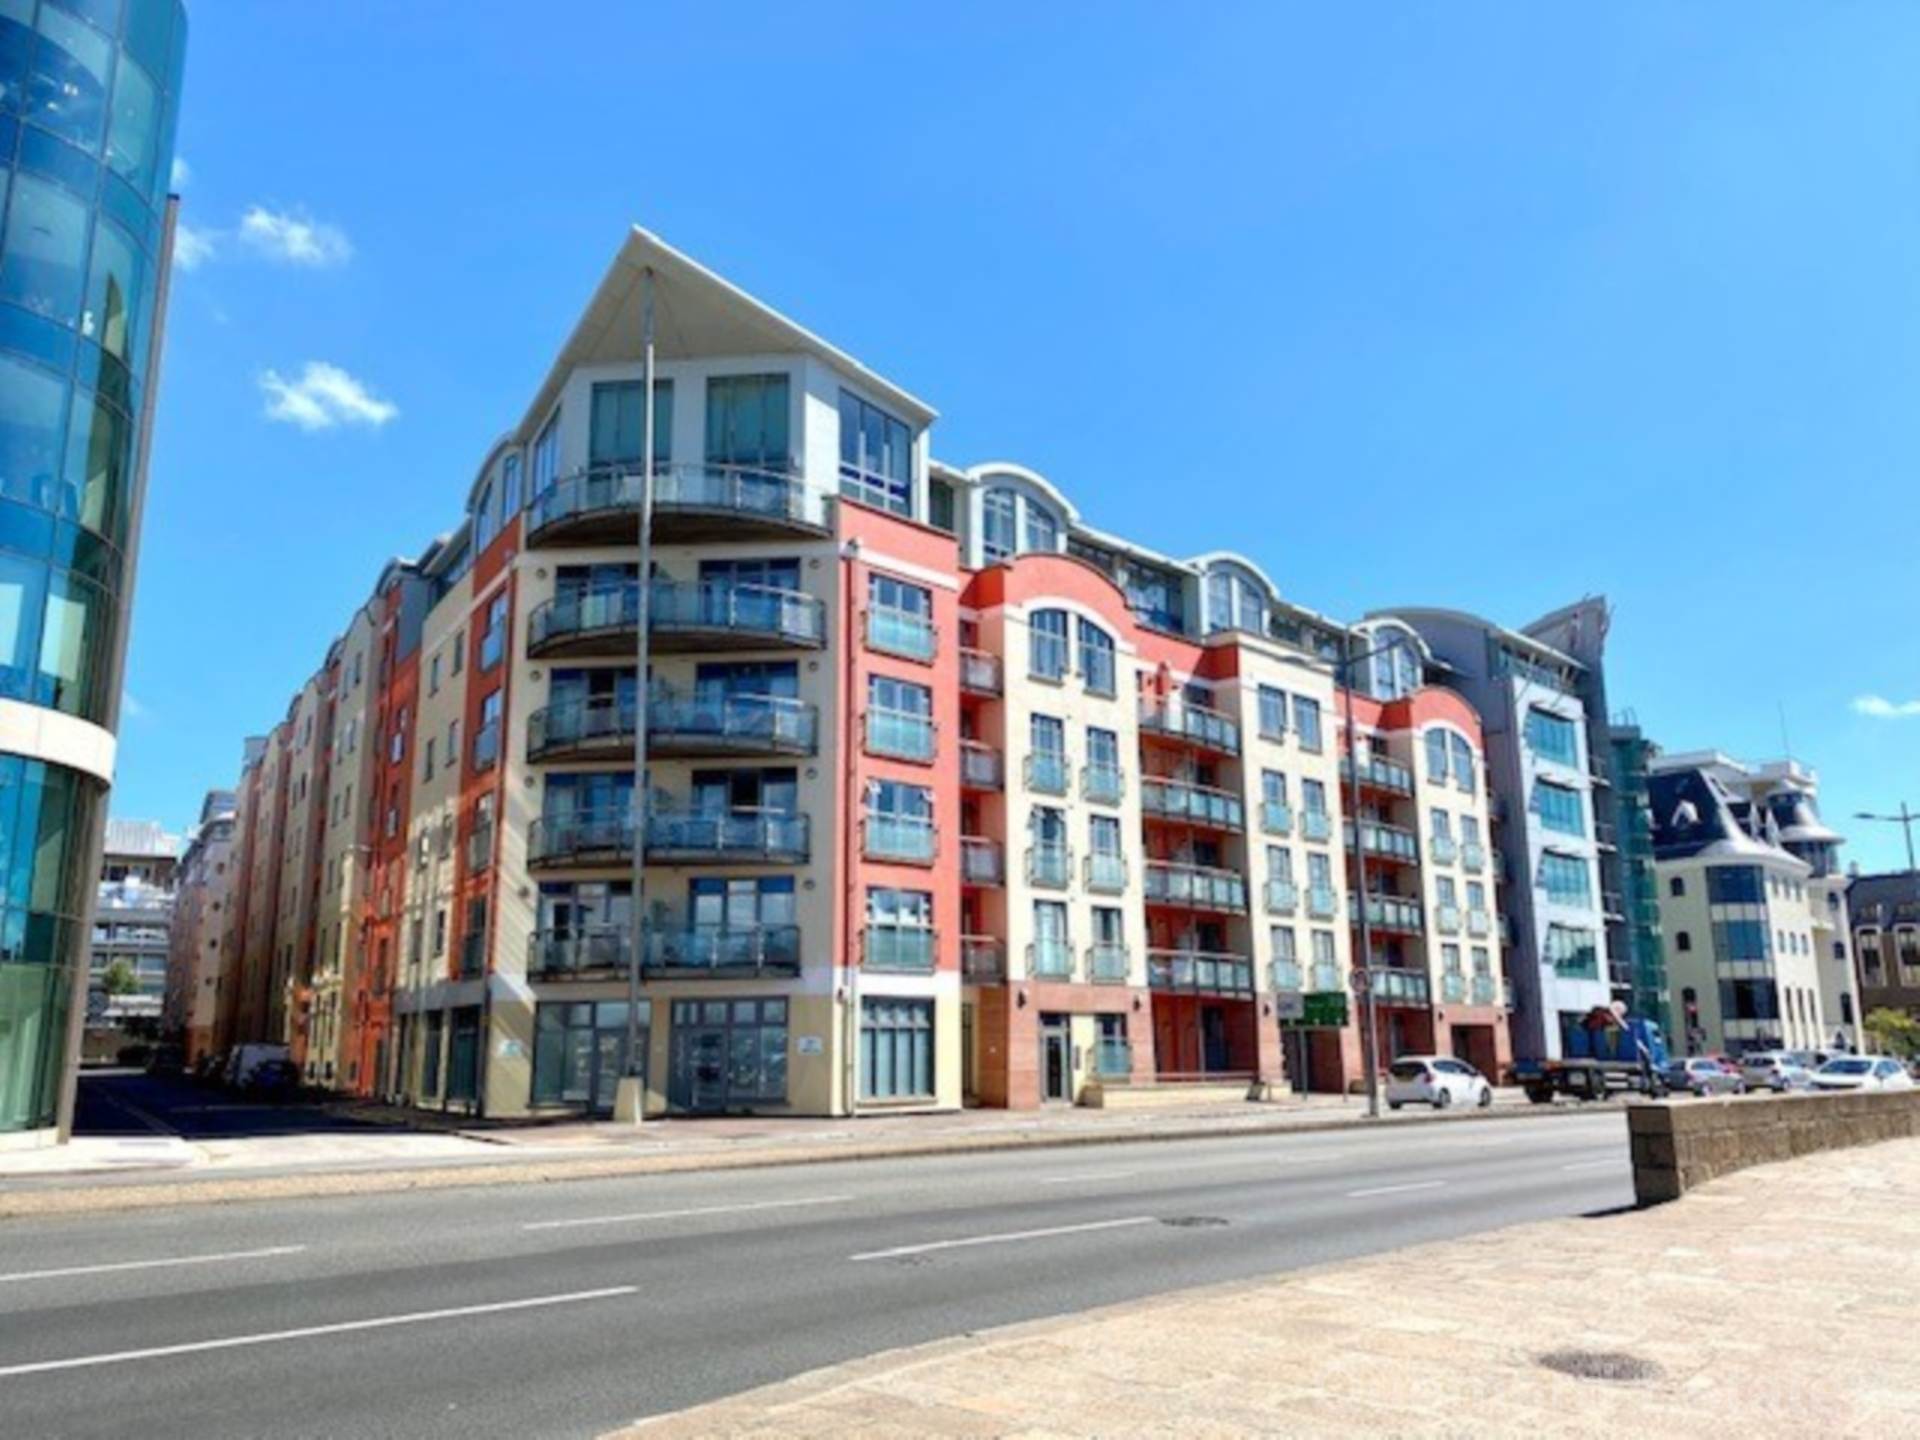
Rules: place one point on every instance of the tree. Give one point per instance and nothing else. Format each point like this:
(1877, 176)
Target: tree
(1893, 1031)
(120, 979)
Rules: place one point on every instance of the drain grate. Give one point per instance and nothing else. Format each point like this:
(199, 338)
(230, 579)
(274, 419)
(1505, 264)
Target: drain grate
(1613, 1365)
(1191, 1222)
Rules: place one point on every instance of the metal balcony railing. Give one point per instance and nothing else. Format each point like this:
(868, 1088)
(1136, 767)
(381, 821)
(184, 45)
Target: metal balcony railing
(1183, 720)
(1050, 866)
(901, 632)
(901, 734)
(748, 950)
(1106, 873)
(1194, 886)
(1107, 964)
(1403, 988)
(1200, 972)
(980, 766)
(908, 949)
(980, 672)
(902, 839)
(1282, 897)
(1198, 804)
(1102, 784)
(983, 960)
(1046, 772)
(1050, 960)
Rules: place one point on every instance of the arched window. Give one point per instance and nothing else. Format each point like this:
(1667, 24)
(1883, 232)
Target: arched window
(1235, 601)
(509, 488)
(1096, 659)
(484, 520)
(1047, 642)
(1396, 662)
(1043, 528)
(998, 536)
(1462, 762)
(1437, 755)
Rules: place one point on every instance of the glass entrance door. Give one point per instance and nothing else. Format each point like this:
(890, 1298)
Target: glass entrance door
(1056, 1061)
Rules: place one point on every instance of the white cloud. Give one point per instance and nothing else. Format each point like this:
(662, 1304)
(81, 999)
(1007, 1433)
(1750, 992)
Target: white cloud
(182, 173)
(1881, 708)
(133, 708)
(323, 397)
(191, 248)
(293, 238)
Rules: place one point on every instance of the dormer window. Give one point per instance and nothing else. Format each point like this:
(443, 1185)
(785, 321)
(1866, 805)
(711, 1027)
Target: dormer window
(876, 456)
(1014, 523)
(1235, 601)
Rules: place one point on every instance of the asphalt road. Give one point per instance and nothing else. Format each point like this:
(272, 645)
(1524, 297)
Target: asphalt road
(132, 1102)
(567, 1309)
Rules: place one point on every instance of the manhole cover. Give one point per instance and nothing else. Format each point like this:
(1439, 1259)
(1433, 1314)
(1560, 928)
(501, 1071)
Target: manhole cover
(1191, 1222)
(1601, 1365)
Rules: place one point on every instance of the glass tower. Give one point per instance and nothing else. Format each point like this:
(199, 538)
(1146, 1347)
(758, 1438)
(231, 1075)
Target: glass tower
(89, 95)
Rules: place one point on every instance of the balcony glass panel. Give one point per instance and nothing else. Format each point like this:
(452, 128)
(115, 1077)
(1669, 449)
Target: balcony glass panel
(1276, 817)
(1049, 865)
(744, 722)
(900, 733)
(1193, 970)
(980, 672)
(1284, 975)
(1187, 721)
(1103, 784)
(1047, 773)
(736, 834)
(566, 952)
(983, 960)
(1106, 873)
(1177, 800)
(1320, 902)
(900, 632)
(759, 948)
(1107, 964)
(1050, 959)
(982, 862)
(979, 766)
(556, 839)
(900, 837)
(728, 606)
(1316, 824)
(1283, 897)
(1195, 886)
(900, 948)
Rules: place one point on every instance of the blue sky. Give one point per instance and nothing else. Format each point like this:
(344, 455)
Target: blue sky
(1461, 304)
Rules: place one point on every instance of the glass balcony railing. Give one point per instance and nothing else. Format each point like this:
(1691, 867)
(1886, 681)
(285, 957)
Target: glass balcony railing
(980, 767)
(750, 950)
(1106, 873)
(1389, 842)
(690, 500)
(1387, 912)
(1321, 902)
(1284, 975)
(1377, 774)
(1325, 978)
(579, 619)
(712, 613)
(1276, 817)
(1046, 773)
(1453, 987)
(1401, 988)
(1479, 924)
(486, 745)
(1199, 972)
(982, 861)
(1050, 960)
(480, 848)
(1182, 720)
(581, 727)
(900, 734)
(901, 839)
(1485, 991)
(1473, 855)
(983, 960)
(1446, 918)
(744, 835)
(1316, 825)
(1102, 784)
(1107, 964)
(1195, 804)
(1194, 887)
(908, 949)
(1113, 1059)
(1442, 849)
(1050, 866)
(1283, 897)
(901, 632)
(980, 672)
(728, 724)
(591, 838)
(577, 950)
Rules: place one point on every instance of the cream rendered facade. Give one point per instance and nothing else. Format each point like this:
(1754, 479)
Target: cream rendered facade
(344, 839)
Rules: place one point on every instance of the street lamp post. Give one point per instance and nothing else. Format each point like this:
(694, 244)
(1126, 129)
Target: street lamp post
(630, 1096)
(1905, 820)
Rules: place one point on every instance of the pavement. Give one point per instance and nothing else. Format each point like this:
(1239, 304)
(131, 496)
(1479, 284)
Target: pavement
(578, 1306)
(1776, 1301)
(144, 1140)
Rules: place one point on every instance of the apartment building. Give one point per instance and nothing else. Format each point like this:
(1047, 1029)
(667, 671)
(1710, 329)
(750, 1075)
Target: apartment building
(198, 991)
(948, 798)
(1545, 773)
(1636, 923)
(132, 923)
(92, 94)
(1885, 911)
(1753, 906)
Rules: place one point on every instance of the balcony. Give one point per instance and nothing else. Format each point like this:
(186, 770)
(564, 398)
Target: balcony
(1484, 991)
(1102, 784)
(1385, 842)
(1321, 902)
(1050, 960)
(1195, 724)
(1276, 817)
(1387, 913)
(1195, 887)
(720, 615)
(983, 960)
(1316, 825)
(1387, 776)
(744, 952)
(1106, 874)
(901, 949)
(1453, 987)
(1046, 773)
(600, 729)
(1196, 804)
(1479, 924)
(556, 954)
(900, 734)
(905, 633)
(1284, 975)
(1473, 855)
(899, 839)
(691, 503)
(586, 623)
(982, 861)
(1404, 989)
(584, 840)
(486, 745)
(1442, 849)
(1446, 918)
(979, 672)
(738, 837)
(473, 954)
(480, 848)
(1198, 972)
(1325, 977)
(1107, 964)
(1049, 866)
(980, 767)
(1282, 896)
(699, 725)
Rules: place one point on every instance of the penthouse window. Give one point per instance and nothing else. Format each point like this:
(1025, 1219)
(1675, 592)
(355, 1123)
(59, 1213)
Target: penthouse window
(748, 422)
(1236, 600)
(617, 432)
(1015, 523)
(1559, 808)
(876, 456)
(1396, 663)
(1552, 737)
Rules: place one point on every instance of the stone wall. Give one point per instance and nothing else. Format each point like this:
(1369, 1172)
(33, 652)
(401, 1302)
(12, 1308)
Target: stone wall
(1680, 1144)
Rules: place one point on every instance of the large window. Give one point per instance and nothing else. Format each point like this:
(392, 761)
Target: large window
(1462, 762)
(728, 1052)
(1235, 601)
(1273, 713)
(747, 422)
(579, 1052)
(617, 434)
(1047, 644)
(1735, 885)
(1559, 808)
(1552, 737)
(1567, 879)
(998, 537)
(1096, 658)
(1572, 952)
(546, 455)
(43, 261)
(1306, 721)
(876, 456)
(896, 1049)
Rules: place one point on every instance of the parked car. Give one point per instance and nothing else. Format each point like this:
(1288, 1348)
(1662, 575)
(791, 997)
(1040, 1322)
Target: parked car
(243, 1060)
(1436, 1080)
(273, 1080)
(1862, 1072)
(1775, 1070)
(1704, 1075)
(167, 1059)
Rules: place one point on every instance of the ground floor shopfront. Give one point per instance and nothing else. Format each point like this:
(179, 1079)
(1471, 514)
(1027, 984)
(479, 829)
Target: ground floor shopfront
(1321, 1039)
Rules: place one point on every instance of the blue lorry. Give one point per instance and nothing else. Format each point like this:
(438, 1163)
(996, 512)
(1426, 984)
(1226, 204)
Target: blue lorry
(1606, 1052)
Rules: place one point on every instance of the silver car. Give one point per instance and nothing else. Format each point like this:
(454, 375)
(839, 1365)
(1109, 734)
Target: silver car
(1699, 1075)
(1775, 1070)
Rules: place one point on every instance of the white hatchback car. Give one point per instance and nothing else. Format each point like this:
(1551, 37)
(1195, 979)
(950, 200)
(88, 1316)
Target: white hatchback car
(1436, 1080)
(1862, 1072)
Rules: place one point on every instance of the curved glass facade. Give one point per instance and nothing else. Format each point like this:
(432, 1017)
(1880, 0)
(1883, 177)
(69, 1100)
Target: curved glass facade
(89, 96)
